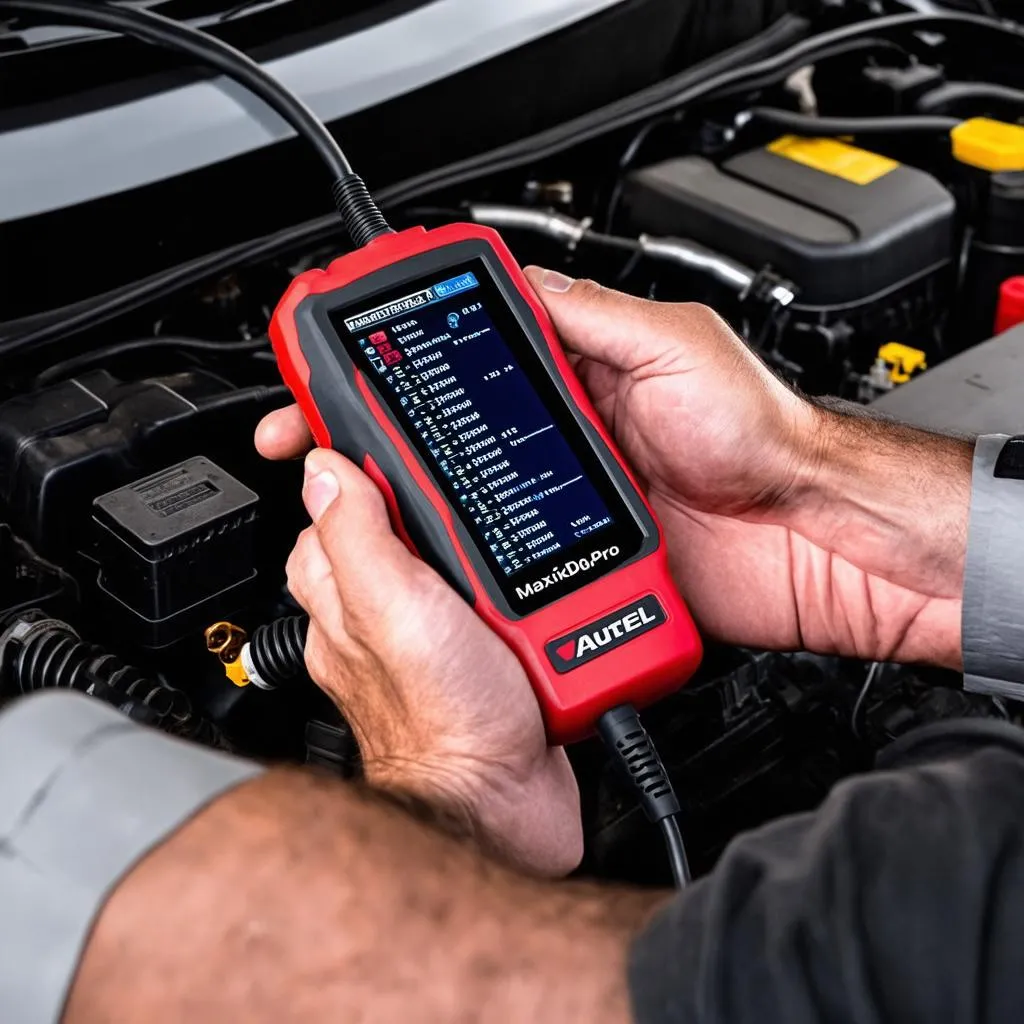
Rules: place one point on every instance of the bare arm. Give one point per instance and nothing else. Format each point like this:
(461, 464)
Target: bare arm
(297, 898)
(885, 509)
(888, 492)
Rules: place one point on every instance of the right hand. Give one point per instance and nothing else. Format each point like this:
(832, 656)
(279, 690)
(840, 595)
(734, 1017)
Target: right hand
(775, 532)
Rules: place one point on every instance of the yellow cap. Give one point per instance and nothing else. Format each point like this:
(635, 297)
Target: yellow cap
(990, 145)
(903, 361)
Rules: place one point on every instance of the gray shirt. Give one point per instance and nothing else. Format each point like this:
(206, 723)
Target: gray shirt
(993, 615)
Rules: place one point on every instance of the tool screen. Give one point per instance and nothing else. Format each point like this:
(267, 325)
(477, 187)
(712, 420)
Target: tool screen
(453, 363)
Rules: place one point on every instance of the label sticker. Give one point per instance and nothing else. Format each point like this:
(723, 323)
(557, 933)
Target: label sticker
(830, 156)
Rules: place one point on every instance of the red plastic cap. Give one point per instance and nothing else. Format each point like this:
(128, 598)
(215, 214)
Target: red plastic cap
(1011, 304)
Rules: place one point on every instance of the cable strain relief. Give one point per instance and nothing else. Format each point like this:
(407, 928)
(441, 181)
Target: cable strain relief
(363, 219)
(275, 655)
(627, 740)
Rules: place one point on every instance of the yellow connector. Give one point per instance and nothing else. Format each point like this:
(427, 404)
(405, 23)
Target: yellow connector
(226, 640)
(903, 361)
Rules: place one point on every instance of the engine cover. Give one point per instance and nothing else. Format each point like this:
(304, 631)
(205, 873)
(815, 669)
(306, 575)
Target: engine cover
(848, 225)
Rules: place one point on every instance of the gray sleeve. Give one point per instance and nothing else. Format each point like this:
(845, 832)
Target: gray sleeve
(993, 610)
(84, 795)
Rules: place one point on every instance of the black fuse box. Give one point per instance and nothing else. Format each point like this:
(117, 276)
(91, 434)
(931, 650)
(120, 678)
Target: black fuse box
(845, 225)
(173, 545)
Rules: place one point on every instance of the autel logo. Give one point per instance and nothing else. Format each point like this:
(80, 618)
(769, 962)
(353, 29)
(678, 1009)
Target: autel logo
(607, 633)
(568, 570)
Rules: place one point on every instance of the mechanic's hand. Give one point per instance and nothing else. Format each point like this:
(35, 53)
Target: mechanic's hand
(789, 525)
(441, 707)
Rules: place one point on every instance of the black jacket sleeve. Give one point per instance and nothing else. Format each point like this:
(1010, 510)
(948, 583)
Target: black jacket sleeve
(901, 900)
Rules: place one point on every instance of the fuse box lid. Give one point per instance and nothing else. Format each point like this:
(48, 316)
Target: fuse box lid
(178, 505)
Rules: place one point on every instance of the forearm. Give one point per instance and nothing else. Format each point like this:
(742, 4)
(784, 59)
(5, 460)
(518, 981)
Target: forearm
(298, 898)
(896, 496)
(890, 504)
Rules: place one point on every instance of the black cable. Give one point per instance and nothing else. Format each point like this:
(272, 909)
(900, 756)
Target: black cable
(36, 331)
(677, 858)
(258, 394)
(629, 266)
(627, 741)
(630, 245)
(713, 77)
(970, 94)
(69, 367)
(843, 48)
(806, 124)
(860, 705)
(363, 219)
(277, 651)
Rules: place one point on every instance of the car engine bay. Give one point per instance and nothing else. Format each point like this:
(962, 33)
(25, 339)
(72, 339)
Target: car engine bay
(846, 189)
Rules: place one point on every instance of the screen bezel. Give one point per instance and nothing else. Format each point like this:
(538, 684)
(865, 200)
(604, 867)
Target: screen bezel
(633, 531)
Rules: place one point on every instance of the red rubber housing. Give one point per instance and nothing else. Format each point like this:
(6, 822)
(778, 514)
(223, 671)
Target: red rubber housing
(639, 671)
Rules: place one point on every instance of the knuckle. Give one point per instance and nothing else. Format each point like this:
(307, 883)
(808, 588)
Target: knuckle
(587, 290)
(327, 644)
(306, 566)
(298, 560)
(371, 496)
(697, 314)
(694, 319)
(293, 572)
(318, 657)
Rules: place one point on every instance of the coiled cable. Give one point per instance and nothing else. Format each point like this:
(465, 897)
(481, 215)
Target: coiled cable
(41, 653)
(276, 654)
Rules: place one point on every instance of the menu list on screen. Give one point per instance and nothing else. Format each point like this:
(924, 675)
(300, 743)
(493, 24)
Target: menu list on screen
(499, 449)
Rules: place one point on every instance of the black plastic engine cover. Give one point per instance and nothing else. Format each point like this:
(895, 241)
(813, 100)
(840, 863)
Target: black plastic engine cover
(842, 243)
(65, 445)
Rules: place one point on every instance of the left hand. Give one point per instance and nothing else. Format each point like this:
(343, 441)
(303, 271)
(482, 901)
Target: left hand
(441, 707)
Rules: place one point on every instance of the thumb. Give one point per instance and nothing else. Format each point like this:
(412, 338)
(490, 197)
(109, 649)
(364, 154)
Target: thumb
(370, 564)
(619, 330)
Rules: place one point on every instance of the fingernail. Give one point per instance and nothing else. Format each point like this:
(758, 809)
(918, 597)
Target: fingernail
(319, 493)
(553, 281)
(315, 464)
